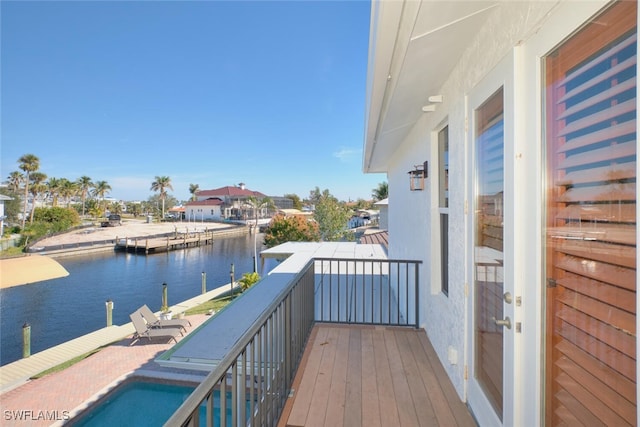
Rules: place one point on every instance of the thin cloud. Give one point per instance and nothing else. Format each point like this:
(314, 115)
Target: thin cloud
(347, 154)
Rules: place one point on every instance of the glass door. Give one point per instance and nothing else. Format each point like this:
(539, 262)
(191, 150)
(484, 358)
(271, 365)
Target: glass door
(491, 323)
(488, 246)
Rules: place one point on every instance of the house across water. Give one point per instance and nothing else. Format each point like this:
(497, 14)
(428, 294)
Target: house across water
(230, 203)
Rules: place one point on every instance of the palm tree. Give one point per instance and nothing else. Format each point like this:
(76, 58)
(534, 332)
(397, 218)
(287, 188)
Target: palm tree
(193, 189)
(100, 189)
(257, 205)
(28, 163)
(54, 186)
(161, 184)
(95, 212)
(68, 189)
(85, 185)
(15, 181)
(36, 188)
(381, 192)
(134, 208)
(115, 208)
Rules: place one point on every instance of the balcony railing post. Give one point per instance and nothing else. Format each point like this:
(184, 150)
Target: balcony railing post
(406, 291)
(234, 394)
(223, 401)
(417, 294)
(242, 389)
(288, 337)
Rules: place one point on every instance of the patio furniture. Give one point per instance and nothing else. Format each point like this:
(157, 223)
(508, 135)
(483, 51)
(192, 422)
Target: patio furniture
(154, 322)
(142, 330)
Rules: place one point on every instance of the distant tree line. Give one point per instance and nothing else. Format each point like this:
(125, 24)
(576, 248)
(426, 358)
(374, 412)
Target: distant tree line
(86, 197)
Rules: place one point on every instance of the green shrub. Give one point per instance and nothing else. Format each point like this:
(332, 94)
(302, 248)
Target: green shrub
(248, 280)
(60, 218)
(48, 221)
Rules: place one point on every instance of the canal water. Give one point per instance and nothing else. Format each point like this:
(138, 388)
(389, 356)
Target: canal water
(62, 309)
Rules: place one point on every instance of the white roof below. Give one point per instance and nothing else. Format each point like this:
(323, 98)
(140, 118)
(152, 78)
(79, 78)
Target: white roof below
(206, 346)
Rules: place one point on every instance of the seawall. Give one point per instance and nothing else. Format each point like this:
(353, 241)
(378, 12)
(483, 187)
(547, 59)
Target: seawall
(70, 249)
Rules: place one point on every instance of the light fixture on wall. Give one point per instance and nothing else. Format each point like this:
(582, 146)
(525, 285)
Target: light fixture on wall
(417, 176)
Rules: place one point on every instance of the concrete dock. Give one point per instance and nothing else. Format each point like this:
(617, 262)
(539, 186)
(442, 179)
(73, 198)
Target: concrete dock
(19, 372)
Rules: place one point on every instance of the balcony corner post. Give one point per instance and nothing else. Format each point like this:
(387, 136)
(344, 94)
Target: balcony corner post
(417, 295)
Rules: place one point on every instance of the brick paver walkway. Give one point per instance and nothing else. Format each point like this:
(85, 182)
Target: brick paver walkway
(55, 397)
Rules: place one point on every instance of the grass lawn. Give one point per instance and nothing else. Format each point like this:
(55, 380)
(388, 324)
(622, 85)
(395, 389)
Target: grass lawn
(215, 304)
(68, 363)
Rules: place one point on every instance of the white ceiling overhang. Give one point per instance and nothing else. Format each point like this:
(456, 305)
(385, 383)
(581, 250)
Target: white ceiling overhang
(413, 48)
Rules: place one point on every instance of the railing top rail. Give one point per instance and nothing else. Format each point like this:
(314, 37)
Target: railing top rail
(205, 387)
(389, 260)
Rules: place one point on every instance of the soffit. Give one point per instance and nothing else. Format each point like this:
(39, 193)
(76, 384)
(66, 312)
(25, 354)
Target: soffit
(429, 40)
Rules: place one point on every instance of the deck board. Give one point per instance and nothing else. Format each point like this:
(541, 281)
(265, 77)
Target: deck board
(337, 390)
(423, 409)
(353, 399)
(386, 396)
(321, 386)
(399, 377)
(437, 399)
(372, 376)
(370, 403)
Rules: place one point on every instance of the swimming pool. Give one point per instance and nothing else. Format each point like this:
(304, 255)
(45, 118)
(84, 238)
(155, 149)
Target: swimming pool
(142, 403)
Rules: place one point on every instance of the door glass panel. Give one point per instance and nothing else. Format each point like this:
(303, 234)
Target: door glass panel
(590, 230)
(488, 248)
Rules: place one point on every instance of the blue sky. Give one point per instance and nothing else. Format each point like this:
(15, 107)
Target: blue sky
(212, 93)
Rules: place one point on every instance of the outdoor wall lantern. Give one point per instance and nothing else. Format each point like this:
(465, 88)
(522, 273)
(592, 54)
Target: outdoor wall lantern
(417, 176)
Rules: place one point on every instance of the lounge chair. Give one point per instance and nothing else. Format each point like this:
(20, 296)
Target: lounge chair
(142, 330)
(154, 322)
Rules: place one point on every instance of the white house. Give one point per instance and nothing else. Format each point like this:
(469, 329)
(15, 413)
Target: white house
(230, 202)
(508, 130)
(203, 210)
(3, 199)
(383, 209)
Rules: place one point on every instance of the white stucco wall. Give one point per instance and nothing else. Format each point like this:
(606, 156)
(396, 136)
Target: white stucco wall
(202, 213)
(415, 234)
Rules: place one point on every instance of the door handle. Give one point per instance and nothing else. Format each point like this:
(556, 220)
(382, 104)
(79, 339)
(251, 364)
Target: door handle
(506, 322)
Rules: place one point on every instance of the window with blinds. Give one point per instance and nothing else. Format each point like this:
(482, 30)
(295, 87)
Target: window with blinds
(590, 251)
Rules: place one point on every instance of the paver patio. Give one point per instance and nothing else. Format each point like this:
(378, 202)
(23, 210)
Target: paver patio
(55, 397)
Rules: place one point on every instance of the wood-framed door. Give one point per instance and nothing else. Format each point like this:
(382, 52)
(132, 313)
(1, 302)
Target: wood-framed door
(589, 244)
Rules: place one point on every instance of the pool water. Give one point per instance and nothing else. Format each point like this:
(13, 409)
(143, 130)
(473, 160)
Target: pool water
(142, 403)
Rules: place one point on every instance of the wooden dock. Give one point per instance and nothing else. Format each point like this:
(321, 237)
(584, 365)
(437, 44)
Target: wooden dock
(167, 243)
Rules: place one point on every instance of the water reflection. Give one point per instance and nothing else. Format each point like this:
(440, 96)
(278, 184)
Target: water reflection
(61, 309)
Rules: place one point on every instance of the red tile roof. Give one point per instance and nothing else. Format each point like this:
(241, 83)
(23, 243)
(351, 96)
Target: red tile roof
(229, 191)
(208, 202)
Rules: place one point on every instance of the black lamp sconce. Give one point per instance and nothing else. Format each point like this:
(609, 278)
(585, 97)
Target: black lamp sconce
(417, 176)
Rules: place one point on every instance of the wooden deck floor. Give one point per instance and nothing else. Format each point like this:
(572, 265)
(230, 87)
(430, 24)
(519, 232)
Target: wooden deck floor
(372, 376)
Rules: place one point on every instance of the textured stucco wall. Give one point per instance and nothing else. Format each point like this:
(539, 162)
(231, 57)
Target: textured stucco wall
(412, 214)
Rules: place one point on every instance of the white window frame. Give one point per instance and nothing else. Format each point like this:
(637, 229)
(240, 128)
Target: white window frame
(436, 240)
